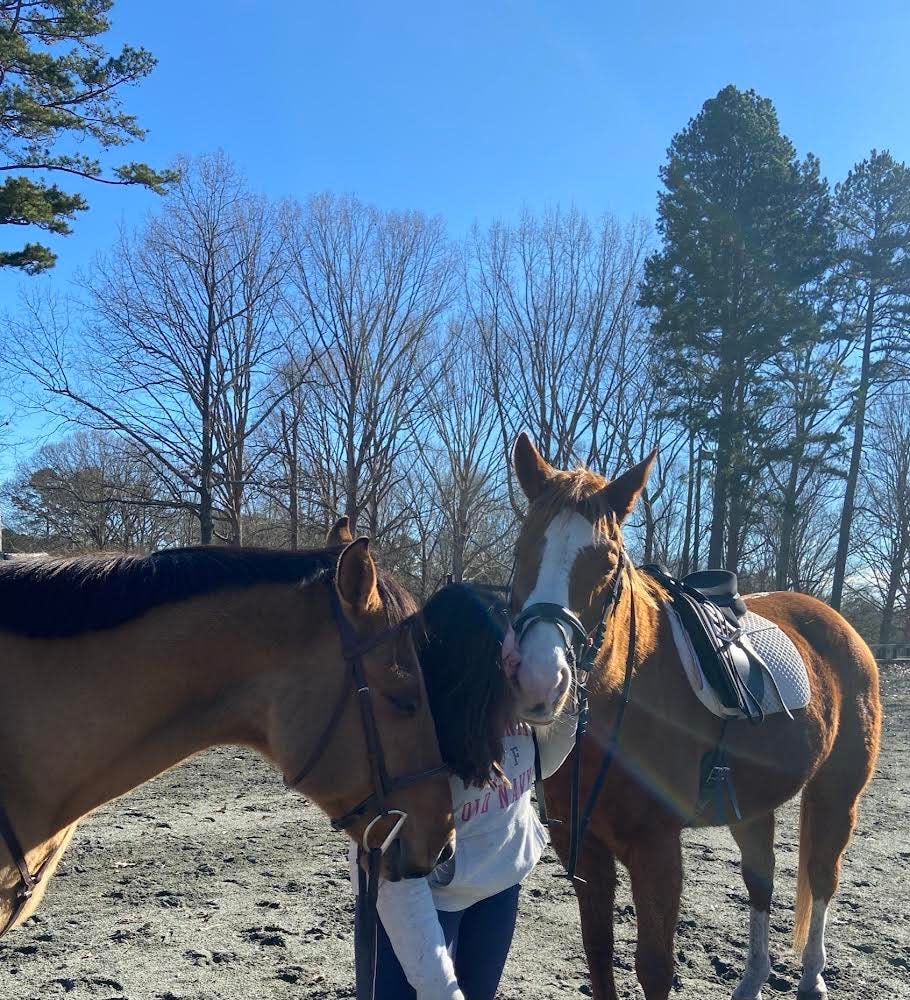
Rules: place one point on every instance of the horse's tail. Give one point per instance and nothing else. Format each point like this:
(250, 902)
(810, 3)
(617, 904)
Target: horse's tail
(803, 910)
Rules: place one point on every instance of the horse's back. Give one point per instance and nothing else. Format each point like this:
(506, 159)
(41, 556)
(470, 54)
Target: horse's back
(828, 634)
(843, 673)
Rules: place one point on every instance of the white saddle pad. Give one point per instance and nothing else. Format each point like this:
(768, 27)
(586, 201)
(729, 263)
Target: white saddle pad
(785, 685)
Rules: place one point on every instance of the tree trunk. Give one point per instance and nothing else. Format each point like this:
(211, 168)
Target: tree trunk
(690, 493)
(719, 503)
(782, 576)
(649, 528)
(898, 563)
(294, 502)
(206, 521)
(846, 518)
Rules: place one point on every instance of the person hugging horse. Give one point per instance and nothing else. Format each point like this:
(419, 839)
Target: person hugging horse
(447, 936)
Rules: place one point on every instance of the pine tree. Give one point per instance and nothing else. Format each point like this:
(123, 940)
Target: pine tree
(746, 228)
(58, 83)
(872, 282)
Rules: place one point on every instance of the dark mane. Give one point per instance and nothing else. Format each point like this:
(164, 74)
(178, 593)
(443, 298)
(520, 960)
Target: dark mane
(53, 598)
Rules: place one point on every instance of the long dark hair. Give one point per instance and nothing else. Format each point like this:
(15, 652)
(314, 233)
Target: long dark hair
(470, 698)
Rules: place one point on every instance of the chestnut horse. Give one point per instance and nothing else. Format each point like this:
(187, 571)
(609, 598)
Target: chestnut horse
(113, 669)
(568, 554)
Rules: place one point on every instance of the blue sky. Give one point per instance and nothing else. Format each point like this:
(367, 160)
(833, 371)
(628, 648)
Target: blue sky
(475, 110)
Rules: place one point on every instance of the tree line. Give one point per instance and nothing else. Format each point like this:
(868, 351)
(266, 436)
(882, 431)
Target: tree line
(242, 370)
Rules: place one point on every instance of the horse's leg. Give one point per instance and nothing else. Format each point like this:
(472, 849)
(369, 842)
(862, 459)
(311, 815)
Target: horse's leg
(828, 813)
(655, 872)
(756, 845)
(595, 905)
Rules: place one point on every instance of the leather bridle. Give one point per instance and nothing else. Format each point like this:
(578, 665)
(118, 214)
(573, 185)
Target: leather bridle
(28, 881)
(582, 649)
(353, 650)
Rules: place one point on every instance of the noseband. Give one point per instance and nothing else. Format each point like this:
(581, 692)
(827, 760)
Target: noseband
(353, 650)
(581, 646)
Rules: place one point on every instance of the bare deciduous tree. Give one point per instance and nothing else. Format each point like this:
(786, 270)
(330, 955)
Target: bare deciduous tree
(371, 288)
(885, 513)
(556, 301)
(463, 457)
(182, 329)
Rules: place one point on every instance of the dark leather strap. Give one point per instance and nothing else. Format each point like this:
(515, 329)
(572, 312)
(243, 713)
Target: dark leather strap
(538, 784)
(579, 829)
(28, 883)
(368, 922)
(573, 632)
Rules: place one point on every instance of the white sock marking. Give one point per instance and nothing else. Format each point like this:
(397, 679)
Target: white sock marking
(758, 966)
(814, 953)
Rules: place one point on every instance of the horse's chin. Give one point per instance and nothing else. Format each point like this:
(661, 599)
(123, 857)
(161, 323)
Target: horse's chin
(539, 718)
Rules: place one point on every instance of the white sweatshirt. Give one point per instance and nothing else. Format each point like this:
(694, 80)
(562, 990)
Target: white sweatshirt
(499, 840)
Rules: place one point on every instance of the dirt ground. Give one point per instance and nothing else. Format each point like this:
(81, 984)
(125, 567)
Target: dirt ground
(214, 883)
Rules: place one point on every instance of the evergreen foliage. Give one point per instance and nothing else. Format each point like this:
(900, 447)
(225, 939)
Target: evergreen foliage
(58, 84)
(746, 230)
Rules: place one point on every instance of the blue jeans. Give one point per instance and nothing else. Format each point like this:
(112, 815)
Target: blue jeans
(478, 940)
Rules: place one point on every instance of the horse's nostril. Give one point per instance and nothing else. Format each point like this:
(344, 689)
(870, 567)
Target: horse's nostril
(539, 709)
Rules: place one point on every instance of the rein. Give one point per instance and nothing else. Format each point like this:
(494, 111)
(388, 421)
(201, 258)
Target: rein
(28, 881)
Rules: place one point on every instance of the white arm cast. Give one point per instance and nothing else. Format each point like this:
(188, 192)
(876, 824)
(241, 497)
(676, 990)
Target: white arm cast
(555, 742)
(409, 918)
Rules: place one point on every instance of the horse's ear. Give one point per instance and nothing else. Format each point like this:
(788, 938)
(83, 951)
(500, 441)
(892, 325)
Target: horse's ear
(531, 468)
(356, 577)
(623, 493)
(340, 532)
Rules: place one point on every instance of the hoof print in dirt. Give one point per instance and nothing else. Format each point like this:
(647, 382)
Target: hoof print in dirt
(198, 957)
(267, 936)
(292, 974)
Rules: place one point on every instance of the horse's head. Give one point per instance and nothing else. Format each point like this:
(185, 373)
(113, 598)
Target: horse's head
(568, 552)
(371, 749)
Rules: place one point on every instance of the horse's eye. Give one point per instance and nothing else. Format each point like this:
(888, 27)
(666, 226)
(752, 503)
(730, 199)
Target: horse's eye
(403, 703)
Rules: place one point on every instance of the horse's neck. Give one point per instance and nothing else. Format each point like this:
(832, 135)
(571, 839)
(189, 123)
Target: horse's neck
(658, 684)
(106, 711)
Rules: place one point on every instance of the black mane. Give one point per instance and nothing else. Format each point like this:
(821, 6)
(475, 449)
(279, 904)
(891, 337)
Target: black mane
(52, 597)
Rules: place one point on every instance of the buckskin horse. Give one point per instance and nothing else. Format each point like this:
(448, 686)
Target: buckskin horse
(644, 716)
(113, 669)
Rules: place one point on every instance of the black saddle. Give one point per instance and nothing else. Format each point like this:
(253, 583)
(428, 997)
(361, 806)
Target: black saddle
(709, 607)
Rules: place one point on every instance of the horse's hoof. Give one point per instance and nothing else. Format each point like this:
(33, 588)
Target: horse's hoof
(813, 994)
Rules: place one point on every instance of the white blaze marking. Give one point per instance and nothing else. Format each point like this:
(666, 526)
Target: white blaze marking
(814, 953)
(543, 658)
(758, 966)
